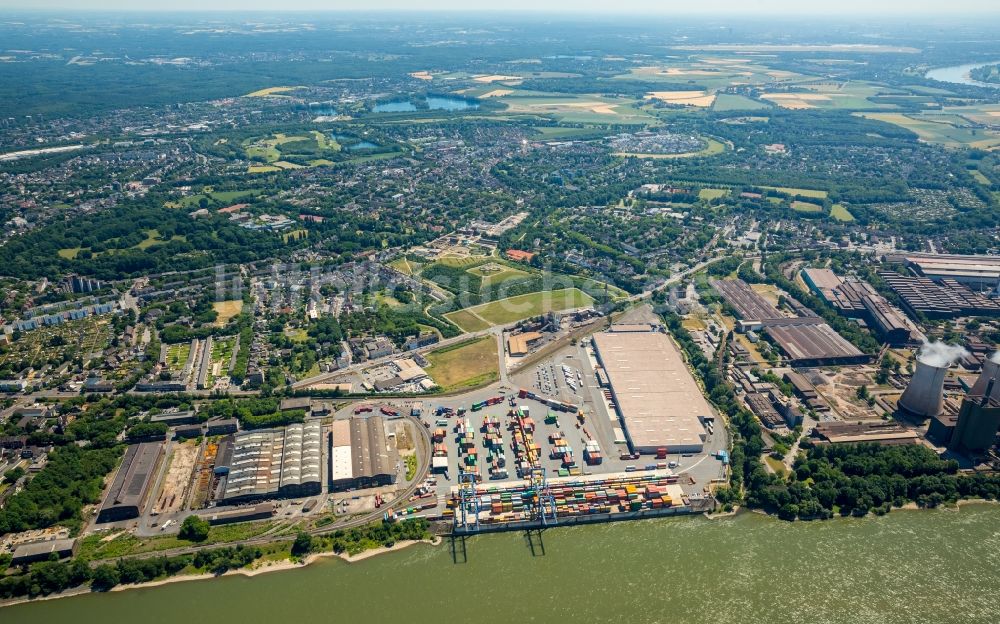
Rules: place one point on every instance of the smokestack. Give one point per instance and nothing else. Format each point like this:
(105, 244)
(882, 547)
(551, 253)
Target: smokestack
(924, 397)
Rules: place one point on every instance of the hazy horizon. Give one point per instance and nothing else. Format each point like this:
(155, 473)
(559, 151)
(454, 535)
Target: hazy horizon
(903, 8)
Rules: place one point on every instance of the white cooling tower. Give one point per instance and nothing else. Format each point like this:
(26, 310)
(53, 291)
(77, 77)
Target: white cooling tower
(924, 397)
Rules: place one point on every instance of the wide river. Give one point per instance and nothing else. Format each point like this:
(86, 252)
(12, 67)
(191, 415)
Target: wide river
(959, 74)
(910, 566)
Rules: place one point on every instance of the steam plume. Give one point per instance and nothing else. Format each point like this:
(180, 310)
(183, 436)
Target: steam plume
(941, 355)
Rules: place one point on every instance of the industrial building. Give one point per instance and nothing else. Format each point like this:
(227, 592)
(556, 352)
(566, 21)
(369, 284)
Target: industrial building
(658, 401)
(132, 483)
(939, 300)
(518, 345)
(806, 340)
(360, 454)
(878, 431)
(858, 299)
(261, 511)
(815, 345)
(976, 271)
(275, 463)
(42, 551)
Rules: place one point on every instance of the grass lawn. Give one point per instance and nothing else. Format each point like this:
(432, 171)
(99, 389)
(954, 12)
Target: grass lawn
(841, 213)
(467, 321)
(502, 274)
(69, 253)
(227, 310)
(801, 206)
(712, 193)
(776, 465)
(465, 365)
(514, 309)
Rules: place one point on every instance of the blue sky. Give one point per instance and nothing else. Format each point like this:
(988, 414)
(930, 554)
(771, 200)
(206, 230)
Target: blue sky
(902, 7)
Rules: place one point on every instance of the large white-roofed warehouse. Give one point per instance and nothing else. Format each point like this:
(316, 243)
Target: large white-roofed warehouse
(275, 463)
(658, 401)
(360, 454)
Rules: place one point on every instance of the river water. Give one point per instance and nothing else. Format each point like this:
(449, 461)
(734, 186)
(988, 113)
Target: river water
(908, 567)
(959, 74)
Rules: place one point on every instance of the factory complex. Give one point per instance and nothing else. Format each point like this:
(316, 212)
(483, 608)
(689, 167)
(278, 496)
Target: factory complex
(360, 455)
(654, 393)
(805, 338)
(273, 463)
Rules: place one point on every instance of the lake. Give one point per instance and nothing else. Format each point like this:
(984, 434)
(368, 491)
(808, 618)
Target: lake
(959, 74)
(937, 566)
(433, 103)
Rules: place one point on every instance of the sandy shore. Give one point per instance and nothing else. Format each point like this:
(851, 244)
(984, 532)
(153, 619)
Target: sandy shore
(270, 566)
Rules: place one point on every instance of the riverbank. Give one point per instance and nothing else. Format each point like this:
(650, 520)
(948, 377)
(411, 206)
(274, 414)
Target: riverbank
(664, 567)
(264, 568)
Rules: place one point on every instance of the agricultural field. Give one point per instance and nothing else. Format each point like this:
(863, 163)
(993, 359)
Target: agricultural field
(696, 98)
(708, 194)
(585, 109)
(840, 212)
(831, 96)
(517, 308)
(806, 207)
(712, 73)
(814, 193)
(227, 310)
(272, 91)
(729, 102)
(940, 132)
(465, 365)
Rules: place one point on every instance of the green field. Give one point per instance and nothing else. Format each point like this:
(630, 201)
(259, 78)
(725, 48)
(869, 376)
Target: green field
(712, 193)
(841, 213)
(504, 273)
(939, 131)
(728, 102)
(801, 206)
(275, 151)
(798, 191)
(517, 308)
(465, 365)
(467, 321)
(978, 176)
(215, 199)
(582, 109)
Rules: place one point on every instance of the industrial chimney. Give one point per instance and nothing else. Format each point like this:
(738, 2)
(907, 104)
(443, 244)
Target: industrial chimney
(924, 397)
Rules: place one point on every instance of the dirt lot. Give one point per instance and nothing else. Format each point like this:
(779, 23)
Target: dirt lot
(176, 483)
